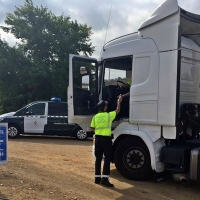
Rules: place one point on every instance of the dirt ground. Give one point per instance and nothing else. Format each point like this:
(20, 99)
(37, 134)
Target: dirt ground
(52, 168)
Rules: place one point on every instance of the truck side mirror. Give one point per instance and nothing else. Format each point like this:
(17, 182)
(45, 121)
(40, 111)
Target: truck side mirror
(83, 70)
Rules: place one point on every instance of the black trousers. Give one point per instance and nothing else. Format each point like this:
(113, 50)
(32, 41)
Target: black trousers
(103, 146)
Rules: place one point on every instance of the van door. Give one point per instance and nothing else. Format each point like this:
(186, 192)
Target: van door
(82, 90)
(35, 118)
(57, 122)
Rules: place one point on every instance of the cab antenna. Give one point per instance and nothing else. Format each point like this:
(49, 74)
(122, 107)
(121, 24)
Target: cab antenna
(107, 24)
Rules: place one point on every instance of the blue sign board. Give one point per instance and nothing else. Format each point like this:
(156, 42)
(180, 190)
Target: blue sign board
(3, 144)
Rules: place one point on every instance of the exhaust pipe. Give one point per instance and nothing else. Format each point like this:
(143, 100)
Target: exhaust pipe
(181, 177)
(184, 180)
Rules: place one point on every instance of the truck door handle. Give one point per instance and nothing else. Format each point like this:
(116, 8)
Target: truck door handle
(42, 116)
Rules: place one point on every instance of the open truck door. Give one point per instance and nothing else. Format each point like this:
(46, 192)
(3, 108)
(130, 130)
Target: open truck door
(82, 90)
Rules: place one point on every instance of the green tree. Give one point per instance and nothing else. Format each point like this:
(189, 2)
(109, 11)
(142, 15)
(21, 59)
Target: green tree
(14, 78)
(46, 42)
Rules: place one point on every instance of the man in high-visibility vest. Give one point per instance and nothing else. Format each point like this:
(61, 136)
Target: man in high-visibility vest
(101, 125)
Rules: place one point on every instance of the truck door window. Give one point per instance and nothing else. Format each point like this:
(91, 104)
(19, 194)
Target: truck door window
(84, 87)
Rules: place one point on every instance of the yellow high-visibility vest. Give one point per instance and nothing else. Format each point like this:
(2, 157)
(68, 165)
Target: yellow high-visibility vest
(102, 123)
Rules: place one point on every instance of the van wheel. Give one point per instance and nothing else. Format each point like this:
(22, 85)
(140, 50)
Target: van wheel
(132, 159)
(13, 131)
(81, 134)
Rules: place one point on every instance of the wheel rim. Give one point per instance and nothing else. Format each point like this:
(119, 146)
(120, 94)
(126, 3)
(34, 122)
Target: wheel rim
(81, 134)
(12, 131)
(134, 159)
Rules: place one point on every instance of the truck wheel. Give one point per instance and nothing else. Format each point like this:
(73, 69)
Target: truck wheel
(132, 159)
(81, 134)
(13, 131)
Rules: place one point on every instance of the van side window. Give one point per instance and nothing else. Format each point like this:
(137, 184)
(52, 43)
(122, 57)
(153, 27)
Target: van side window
(57, 109)
(37, 109)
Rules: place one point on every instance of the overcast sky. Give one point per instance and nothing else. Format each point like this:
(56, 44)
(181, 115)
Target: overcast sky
(125, 15)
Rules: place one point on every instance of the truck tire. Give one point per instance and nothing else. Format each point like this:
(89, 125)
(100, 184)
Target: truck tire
(81, 134)
(132, 159)
(13, 131)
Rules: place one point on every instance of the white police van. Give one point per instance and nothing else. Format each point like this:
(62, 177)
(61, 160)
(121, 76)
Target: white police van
(42, 118)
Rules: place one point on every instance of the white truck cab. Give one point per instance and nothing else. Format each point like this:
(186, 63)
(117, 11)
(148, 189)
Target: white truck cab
(158, 126)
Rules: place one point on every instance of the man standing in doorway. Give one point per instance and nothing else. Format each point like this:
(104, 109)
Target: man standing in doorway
(101, 125)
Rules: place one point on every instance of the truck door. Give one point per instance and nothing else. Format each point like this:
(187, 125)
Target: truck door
(82, 90)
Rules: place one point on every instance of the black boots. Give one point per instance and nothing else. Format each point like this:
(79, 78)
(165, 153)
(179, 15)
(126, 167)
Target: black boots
(97, 180)
(105, 181)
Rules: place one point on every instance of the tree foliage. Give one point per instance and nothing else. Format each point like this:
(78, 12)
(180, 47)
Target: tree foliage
(37, 67)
